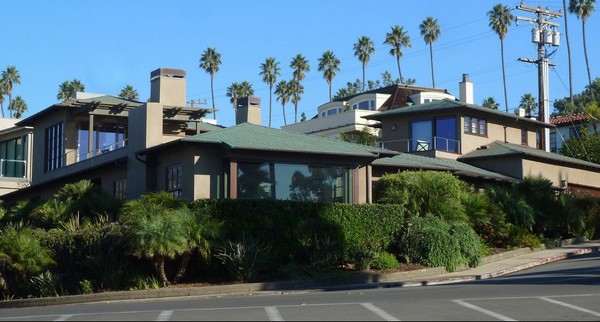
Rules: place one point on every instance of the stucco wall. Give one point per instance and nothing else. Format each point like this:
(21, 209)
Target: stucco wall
(557, 173)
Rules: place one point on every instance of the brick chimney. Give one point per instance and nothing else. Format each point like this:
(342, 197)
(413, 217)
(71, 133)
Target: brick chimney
(248, 110)
(466, 90)
(167, 86)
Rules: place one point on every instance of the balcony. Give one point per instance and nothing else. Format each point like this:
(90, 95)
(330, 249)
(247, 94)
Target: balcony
(423, 144)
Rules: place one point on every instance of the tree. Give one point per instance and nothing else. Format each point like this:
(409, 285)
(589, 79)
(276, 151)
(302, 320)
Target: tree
(363, 49)
(580, 101)
(10, 77)
(18, 107)
(68, 89)
(129, 93)
(329, 65)
(398, 38)
(237, 90)
(269, 71)
(210, 62)
(490, 102)
(299, 65)
(364, 137)
(583, 9)
(500, 19)
(296, 89)
(568, 51)
(2, 93)
(586, 147)
(528, 103)
(430, 30)
(282, 90)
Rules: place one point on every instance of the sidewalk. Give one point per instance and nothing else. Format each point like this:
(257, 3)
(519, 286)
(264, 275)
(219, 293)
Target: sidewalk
(492, 266)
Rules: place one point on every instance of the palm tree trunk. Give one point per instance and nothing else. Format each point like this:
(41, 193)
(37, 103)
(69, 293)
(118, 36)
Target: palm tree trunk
(296, 110)
(568, 52)
(399, 71)
(185, 260)
(431, 59)
(363, 77)
(329, 83)
(159, 264)
(587, 63)
(270, 99)
(212, 95)
(10, 96)
(284, 121)
(2, 108)
(503, 74)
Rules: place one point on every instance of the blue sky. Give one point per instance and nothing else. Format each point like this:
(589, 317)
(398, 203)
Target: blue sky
(108, 44)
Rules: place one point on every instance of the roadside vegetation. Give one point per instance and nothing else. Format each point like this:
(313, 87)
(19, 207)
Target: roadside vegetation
(83, 240)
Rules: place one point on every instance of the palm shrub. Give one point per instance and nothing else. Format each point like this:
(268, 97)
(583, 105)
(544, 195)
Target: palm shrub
(244, 259)
(46, 284)
(486, 218)
(539, 193)
(425, 192)
(516, 209)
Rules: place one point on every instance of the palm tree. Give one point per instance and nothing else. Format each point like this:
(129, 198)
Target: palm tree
(10, 77)
(269, 71)
(237, 90)
(583, 9)
(490, 102)
(300, 65)
(363, 49)
(528, 103)
(398, 38)
(430, 30)
(210, 62)
(68, 89)
(2, 91)
(568, 52)
(329, 64)
(129, 93)
(19, 107)
(246, 89)
(282, 90)
(296, 89)
(500, 19)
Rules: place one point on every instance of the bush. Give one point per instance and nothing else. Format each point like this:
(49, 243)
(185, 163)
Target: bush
(362, 257)
(385, 260)
(86, 286)
(521, 237)
(46, 284)
(470, 245)
(244, 259)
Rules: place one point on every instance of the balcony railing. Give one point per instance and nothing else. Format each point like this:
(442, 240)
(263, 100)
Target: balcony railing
(435, 143)
(102, 150)
(13, 168)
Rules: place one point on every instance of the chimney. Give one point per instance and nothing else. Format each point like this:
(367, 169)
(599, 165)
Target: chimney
(466, 89)
(167, 86)
(248, 110)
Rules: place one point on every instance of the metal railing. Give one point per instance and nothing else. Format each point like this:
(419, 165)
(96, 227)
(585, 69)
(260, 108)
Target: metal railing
(435, 143)
(102, 150)
(18, 168)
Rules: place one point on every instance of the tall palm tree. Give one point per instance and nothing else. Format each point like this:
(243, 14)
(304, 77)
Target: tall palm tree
(363, 49)
(398, 38)
(282, 90)
(490, 102)
(269, 71)
(296, 89)
(210, 62)
(77, 86)
(329, 64)
(568, 52)
(68, 89)
(129, 93)
(583, 9)
(246, 89)
(528, 103)
(299, 65)
(2, 91)
(11, 77)
(233, 91)
(500, 19)
(19, 107)
(430, 30)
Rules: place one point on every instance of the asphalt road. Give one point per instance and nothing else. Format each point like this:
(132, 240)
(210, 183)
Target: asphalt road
(560, 291)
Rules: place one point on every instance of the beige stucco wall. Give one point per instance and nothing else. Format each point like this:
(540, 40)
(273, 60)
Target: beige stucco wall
(59, 115)
(509, 166)
(557, 173)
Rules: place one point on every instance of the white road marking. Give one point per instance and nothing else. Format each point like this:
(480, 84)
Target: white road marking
(570, 306)
(273, 313)
(165, 315)
(381, 313)
(64, 317)
(484, 311)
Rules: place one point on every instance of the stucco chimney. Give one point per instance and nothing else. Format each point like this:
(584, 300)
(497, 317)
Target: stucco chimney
(167, 86)
(248, 110)
(466, 89)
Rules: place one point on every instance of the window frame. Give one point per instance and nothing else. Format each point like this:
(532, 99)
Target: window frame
(475, 126)
(173, 179)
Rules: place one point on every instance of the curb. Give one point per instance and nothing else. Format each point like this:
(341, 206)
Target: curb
(383, 280)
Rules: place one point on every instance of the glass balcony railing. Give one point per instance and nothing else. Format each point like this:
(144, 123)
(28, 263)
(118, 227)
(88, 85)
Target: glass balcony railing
(423, 144)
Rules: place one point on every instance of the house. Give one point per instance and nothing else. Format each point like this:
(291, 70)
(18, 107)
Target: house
(15, 152)
(129, 148)
(569, 127)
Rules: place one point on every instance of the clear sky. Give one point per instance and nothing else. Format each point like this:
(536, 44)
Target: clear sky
(107, 44)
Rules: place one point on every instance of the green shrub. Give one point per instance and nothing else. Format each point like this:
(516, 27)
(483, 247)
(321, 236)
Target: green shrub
(385, 260)
(146, 283)
(46, 284)
(521, 237)
(244, 259)
(362, 257)
(86, 286)
(470, 245)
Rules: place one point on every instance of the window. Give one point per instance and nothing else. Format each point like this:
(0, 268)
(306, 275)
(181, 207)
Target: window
(13, 157)
(368, 105)
(286, 181)
(53, 147)
(120, 188)
(435, 134)
(553, 142)
(524, 139)
(107, 137)
(421, 132)
(475, 126)
(174, 177)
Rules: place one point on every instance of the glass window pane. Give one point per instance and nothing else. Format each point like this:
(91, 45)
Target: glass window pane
(445, 133)
(421, 135)
(254, 181)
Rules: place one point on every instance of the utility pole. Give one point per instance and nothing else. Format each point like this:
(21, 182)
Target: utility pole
(543, 33)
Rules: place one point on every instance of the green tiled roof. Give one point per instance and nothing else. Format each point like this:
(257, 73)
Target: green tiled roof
(256, 137)
(446, 104)
(499, 148)
(407, 160)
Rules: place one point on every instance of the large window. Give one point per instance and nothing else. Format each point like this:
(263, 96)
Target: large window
(475, 126)
(285, 181)
(174, 178)
(524, 137)
(368, 105)
(553, 142)
(54, 147)
(434, 134)
(13, 157)
(107, 137)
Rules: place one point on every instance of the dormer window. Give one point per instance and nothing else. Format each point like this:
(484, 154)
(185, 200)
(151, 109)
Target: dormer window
(368, 105)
